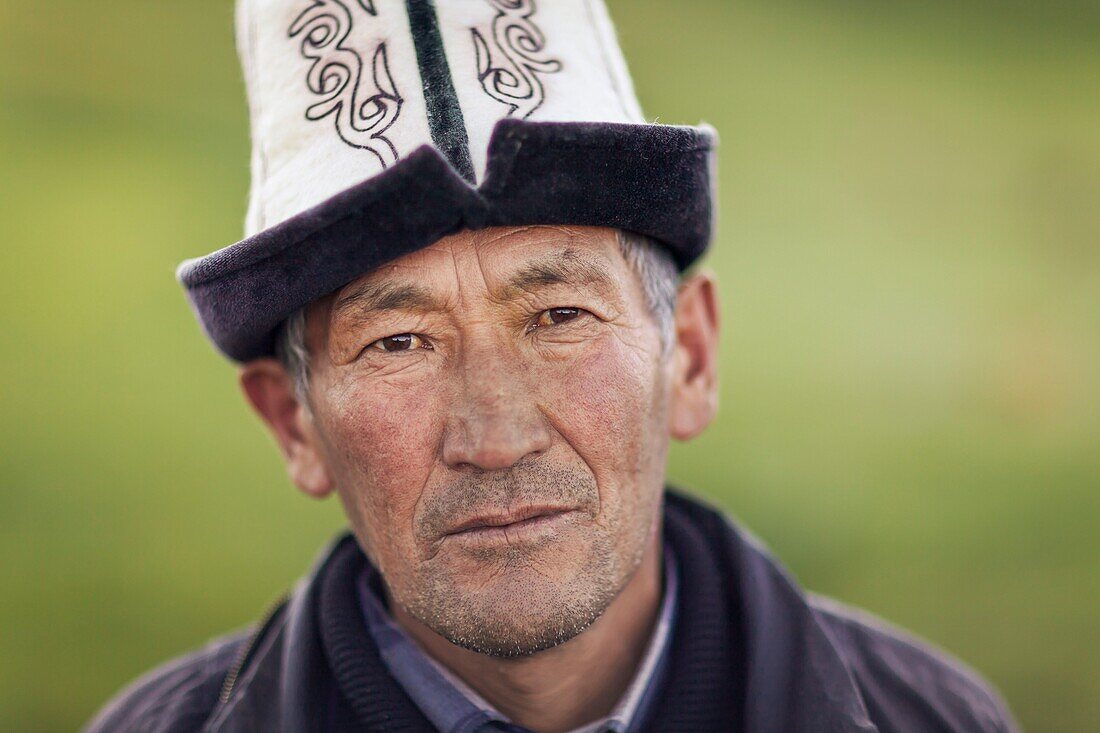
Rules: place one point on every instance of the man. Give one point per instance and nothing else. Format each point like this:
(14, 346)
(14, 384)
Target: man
(462, 311)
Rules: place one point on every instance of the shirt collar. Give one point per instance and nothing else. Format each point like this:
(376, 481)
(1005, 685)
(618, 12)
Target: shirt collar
(453, 707)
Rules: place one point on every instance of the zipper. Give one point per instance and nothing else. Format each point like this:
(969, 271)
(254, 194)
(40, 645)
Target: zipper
(245, 654)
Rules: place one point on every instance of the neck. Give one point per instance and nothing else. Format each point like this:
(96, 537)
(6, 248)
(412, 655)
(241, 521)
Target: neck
(574, 683)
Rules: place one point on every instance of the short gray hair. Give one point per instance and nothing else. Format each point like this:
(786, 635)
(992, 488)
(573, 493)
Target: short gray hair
(648, 258)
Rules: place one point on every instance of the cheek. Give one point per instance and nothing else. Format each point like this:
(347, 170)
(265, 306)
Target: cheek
(608, 405)
(383, 440)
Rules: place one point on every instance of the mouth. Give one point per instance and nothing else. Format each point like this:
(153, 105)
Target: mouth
(523, 524)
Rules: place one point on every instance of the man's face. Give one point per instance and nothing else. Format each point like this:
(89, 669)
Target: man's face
(493, 413)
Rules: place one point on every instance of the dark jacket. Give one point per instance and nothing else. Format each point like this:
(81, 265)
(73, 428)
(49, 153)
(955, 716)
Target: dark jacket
(750, 652)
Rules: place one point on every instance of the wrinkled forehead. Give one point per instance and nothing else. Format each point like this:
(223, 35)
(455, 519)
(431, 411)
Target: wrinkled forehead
(493, 262)
(496, 252)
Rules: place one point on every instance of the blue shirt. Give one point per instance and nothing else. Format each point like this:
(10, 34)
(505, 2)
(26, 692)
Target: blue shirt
(453, 707)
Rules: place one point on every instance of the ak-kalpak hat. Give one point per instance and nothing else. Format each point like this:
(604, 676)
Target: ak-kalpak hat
(380, 126)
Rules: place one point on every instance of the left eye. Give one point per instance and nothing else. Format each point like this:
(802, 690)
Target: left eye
(400, 342)
(556, 316)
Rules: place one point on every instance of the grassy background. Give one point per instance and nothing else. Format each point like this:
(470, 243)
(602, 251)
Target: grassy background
(909, 255)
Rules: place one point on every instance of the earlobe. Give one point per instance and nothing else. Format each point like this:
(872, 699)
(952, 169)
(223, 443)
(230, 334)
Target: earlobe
(695, 368)
(270, 391)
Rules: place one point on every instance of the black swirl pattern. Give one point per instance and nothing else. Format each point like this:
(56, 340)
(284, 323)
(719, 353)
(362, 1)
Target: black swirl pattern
(336, 74)
(511, 74)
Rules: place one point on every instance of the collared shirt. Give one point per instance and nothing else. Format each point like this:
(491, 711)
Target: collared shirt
(453, 707)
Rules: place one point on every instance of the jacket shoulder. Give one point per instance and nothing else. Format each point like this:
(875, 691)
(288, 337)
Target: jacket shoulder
(907, 684)
(176, 697)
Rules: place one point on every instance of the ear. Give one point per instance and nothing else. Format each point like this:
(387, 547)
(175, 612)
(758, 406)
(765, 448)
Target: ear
(270, 390)
(695, 357)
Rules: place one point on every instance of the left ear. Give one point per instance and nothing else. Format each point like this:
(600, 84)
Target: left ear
(695, 357)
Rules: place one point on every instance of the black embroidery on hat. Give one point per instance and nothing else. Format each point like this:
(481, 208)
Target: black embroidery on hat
(511, 74)
(337, 74)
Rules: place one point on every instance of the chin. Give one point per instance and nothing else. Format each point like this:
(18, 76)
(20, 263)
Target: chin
(519, 603)
(517, 619)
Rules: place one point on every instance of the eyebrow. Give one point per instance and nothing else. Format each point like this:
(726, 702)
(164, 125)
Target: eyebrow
(569, 267)
(384, 296)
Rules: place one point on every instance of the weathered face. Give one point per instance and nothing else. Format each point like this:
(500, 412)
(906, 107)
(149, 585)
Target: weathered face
(493, 412)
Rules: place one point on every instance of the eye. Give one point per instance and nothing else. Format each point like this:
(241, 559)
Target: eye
(400, 342)
(556, 316)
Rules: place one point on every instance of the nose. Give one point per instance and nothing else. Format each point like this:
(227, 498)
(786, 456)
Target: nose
(495, 420)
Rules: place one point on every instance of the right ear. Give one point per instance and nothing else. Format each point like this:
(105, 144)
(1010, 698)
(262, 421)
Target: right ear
(270, 390)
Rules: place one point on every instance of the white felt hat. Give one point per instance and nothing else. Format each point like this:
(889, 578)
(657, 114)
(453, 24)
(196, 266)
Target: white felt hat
(376, 129)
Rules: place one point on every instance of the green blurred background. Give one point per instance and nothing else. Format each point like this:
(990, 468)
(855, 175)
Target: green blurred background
(909, 257)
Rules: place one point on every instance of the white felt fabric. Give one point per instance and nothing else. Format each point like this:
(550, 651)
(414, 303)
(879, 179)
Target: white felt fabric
(326, 59)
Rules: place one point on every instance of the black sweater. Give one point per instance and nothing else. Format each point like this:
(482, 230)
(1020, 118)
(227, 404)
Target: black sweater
(750, 652)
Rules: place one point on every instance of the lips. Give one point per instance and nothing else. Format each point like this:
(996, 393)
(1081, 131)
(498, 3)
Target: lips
(522, 517)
